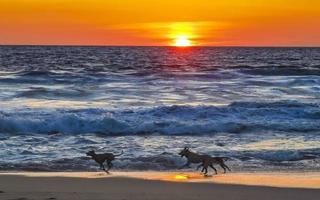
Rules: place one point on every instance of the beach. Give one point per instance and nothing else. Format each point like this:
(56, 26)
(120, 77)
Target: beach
(158, 185)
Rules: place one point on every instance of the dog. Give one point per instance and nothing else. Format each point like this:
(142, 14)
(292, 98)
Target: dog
(205, 160)
(101, 158)
(210, 161)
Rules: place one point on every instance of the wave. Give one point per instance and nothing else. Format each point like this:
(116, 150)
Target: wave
(42, 92)
(36, 73)
(237, 117)
(284, 155)
(280, 70)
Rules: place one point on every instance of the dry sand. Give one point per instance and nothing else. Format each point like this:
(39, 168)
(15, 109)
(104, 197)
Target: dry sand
(159, 185)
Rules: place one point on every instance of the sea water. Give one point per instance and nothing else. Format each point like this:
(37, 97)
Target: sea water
(258, 106)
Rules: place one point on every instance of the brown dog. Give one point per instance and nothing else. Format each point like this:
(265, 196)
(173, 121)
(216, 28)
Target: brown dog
(205, 160)
(101, 158)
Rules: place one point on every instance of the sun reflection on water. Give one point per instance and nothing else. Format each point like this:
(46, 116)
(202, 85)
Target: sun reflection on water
(181, 177)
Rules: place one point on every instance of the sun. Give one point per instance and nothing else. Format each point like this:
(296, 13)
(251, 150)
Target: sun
(182, 41)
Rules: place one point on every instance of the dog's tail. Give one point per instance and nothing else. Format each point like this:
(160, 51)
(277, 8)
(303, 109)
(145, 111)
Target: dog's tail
(119, 154)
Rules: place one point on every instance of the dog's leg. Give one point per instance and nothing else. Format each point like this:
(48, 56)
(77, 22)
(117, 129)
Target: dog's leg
(224, 169)
(227, 167)
(205, 165)
(215, 170)
(206, 170)
(201, 165)
(110, 165)
(203, 168)
(104, 169)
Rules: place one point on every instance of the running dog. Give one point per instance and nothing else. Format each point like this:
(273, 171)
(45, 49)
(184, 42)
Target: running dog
(205, 160)
(101, 158)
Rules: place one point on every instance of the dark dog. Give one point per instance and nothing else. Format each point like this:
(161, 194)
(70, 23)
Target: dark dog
(205, 160)
(101, 158)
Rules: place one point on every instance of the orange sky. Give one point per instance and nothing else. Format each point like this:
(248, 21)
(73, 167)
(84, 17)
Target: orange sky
(155, 22)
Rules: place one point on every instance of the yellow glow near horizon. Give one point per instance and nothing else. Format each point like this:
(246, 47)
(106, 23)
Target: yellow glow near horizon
(182, 41)
(182, 33)
(154, 22)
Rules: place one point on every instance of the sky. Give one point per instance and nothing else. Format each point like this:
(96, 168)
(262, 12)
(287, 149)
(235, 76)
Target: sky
(160, 23)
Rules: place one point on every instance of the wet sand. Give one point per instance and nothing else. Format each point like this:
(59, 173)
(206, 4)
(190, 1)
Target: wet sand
(159, 185)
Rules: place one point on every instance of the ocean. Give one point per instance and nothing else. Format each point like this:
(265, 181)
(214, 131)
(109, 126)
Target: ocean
(258, 106)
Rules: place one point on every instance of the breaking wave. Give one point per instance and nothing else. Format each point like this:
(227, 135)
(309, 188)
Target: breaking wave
(237, 117)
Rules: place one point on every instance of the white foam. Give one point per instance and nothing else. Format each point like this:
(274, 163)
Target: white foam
(168, 120)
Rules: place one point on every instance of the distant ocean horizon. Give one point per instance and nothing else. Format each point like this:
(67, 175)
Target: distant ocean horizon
(260, 106)
(164, 46)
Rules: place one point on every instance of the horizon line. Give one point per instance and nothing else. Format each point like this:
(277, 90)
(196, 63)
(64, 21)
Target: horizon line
(195, 46)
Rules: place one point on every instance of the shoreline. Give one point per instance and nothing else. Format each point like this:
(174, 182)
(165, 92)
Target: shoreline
(158, 185)
(291, 179)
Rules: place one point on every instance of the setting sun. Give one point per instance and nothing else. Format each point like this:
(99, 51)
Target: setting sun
(182, 42)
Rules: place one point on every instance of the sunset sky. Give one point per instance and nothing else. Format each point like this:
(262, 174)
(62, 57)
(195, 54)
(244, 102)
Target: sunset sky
(165, 22)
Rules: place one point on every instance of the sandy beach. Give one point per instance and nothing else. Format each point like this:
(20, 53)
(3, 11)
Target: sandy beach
(158, 185)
